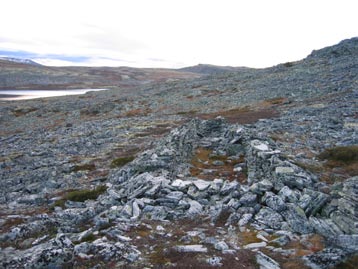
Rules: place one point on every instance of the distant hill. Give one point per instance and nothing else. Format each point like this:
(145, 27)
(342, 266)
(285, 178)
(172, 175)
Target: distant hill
(210, 69)
(27, 74)
(17, 60)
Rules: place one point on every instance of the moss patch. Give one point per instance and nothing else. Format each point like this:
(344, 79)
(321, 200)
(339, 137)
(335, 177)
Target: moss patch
(83, 195)
(121, 161)
(80, 196)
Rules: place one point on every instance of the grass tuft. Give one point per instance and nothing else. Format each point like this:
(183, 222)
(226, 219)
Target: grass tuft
(84, 167)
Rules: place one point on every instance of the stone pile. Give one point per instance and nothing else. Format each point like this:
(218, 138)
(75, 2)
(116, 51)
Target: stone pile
(278, 196)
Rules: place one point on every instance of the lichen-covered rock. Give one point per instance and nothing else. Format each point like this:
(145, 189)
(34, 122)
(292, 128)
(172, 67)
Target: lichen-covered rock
(326, 258)
(346, 215)
(269, 218)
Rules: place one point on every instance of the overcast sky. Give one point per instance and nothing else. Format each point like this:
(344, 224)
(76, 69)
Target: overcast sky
(173, 33)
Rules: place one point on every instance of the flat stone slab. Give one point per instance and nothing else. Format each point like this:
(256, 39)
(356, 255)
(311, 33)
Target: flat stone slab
(181, 183)
(201, 184)
(259, 145)
(284, 170)
(192, 248)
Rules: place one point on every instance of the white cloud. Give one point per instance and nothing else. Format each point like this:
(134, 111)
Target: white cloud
(254, 33)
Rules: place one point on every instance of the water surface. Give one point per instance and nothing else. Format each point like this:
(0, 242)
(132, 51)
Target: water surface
(32, 94)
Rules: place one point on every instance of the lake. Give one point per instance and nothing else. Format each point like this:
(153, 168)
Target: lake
(32, 94)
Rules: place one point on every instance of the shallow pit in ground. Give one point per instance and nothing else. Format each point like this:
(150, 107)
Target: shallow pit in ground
(208, 166)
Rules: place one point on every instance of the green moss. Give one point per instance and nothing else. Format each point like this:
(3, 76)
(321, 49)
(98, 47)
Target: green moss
(60, 203)
(88, 238)
(83, 195)
(345, 155)
(80, 196)
(121, 161)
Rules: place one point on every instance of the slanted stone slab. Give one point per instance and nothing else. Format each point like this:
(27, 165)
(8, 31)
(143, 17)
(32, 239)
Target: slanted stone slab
(266, 262)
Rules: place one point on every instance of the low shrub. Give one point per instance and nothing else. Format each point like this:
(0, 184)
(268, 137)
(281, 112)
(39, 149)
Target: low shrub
(288, 64)
(346, 155)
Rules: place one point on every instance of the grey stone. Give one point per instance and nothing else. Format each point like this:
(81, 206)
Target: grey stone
(347, 241)
(289, 195)
(135, 210)
(274, 202)
(229, 187)
(83, 247)
(261, 186)
(214, 261)
(195, 208)
(248, 199)
(281, 241)
(221, 246)
(245, 219)
(312, 201)
(296, 219)
(127, 211)
(234, 203)
(175, 195)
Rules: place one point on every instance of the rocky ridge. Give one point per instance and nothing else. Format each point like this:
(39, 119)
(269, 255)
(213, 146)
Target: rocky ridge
(215, 192)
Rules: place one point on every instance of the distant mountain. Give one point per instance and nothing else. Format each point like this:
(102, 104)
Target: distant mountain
(210, 69)
(17, 60)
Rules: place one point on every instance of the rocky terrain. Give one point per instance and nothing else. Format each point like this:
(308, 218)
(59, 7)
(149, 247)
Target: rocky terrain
(249, 168)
